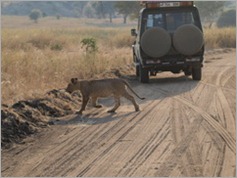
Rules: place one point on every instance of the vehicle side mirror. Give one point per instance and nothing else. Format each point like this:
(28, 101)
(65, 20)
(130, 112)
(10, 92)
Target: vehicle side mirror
(133, 32)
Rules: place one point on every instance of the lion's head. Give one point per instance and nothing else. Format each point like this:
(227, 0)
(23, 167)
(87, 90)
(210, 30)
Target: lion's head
(73, 86)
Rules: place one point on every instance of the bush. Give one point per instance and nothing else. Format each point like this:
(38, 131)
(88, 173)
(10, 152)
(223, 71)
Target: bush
(227, 19)
(89, 44)
(56, 47)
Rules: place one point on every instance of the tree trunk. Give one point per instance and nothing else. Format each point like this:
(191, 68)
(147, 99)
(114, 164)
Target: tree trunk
(125, 18)
(110, 17)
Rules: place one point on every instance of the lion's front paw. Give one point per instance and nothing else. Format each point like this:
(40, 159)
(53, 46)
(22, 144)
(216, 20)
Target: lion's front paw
(98, 106)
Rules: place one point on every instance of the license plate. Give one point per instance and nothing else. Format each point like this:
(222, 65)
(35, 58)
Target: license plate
(169, 4)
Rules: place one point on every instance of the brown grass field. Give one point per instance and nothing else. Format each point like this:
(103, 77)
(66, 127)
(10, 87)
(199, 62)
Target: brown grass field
(39, 57)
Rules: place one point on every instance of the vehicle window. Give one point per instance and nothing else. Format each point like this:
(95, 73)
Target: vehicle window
(154, 20)
(174, 20)
(170, 21)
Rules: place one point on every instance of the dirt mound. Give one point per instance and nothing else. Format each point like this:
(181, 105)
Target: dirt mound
(29, 116)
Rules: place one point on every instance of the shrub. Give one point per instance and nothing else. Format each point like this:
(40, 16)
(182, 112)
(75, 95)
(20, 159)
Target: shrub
(89, 44)
(56, 47)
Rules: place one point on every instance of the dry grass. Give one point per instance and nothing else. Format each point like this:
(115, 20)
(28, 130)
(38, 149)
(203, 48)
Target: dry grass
(39, 57)
(220, 38)
(35, 60)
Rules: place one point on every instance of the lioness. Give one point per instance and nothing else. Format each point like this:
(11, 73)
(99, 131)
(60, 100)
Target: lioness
(102, 88)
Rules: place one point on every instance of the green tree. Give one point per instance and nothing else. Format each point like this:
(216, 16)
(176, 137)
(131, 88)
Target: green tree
(35, 15)
(127, 8)
(209, 10)
(227, 19)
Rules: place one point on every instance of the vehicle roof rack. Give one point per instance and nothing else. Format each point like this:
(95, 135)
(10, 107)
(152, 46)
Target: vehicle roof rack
(162, 4)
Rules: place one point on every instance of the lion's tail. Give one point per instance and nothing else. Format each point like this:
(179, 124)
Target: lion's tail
(128, 85)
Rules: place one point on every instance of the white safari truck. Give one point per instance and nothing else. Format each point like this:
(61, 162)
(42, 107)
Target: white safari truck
(169, 37)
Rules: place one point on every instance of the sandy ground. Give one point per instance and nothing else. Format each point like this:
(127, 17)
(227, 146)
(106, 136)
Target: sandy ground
(184, 128)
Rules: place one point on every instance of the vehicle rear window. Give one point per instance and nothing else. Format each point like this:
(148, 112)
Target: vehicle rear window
(169, 21)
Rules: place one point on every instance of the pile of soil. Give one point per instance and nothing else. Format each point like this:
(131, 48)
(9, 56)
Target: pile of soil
(28, 117)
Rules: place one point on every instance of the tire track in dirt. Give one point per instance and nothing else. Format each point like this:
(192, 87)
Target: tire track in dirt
(222, 135)
(22, 169)
(182, 126)
(230, 141)
(88, 144)
(225, 82)
(221, 80)
(181, 136)
(119, 130)
(229, 118)
(213, 150)
(125, 129)
(228, 138)
(190, 158)
(148, 148)
(65, 148)
(225, 79)
(174, 158)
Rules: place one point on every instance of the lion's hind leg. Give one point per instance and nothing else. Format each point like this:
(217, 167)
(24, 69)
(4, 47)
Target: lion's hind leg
(131, 98)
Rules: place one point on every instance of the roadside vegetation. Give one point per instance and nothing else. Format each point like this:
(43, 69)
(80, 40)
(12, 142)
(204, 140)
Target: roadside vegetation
(45, 56)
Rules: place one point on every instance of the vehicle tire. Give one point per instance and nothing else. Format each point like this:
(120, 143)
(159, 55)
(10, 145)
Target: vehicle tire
(187, 72)
(143, 75)
(188, 39)
(156, 42)
(197, 73)
(137, 70)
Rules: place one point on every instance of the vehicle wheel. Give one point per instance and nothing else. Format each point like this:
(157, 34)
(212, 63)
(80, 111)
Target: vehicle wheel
(197, 73)
(156, 42)
(188, 39)
(137, 70)
(143, 75)
(187, 72)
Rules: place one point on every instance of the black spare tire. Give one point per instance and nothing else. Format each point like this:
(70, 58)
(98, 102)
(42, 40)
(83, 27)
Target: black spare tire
(188, 39)
(156, 42)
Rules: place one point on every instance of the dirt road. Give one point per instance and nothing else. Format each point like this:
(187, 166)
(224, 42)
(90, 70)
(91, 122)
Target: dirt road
(185, 128)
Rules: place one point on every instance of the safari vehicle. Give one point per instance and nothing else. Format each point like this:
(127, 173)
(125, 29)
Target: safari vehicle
(169, 37)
